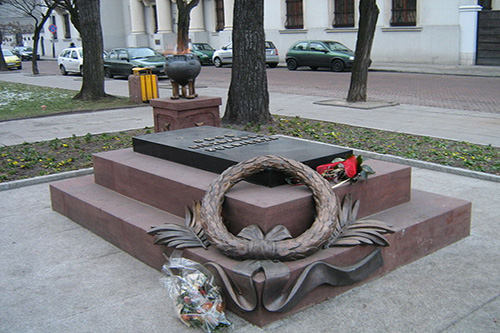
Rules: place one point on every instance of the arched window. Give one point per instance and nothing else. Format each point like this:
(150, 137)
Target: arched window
(294, 14)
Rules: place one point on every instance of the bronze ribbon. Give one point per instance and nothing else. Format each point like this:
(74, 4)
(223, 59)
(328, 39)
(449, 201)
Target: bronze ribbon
(242, 291)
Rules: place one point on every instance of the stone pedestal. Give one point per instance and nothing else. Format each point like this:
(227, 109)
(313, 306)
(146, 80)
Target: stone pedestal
(131, 192)
(170, 114)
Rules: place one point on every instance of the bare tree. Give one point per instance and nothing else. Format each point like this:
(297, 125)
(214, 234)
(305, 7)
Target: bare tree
(39, 11)
(86, 17)
(3, 64)
(184, 10)
(368, 14)
(248, 97)
(11, 28)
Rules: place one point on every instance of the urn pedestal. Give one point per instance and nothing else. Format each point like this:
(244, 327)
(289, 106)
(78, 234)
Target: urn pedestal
(171, 114)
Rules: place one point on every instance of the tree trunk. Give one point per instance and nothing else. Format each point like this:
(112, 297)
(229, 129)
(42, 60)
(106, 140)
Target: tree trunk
(36, 38)
(248, 97)
(3, 64)
(92, 43)
(368, 14)
(183, 19)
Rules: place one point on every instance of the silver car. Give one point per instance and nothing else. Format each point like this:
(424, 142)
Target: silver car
(224, 56)
(71, 61)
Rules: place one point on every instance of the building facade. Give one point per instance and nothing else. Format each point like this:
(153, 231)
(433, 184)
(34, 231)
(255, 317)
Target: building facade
(411, 31)
(422, 31)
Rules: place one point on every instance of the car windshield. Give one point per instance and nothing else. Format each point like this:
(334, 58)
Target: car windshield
(336, 46)
(202, 47)
(7, 53)
(142, 53)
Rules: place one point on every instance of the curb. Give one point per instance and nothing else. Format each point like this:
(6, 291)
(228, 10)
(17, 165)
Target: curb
(45, 179)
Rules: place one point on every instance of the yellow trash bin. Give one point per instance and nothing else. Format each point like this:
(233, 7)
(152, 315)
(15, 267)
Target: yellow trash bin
(143, 85)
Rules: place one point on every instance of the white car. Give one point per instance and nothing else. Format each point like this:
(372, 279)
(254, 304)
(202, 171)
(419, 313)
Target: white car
(71, 61)
(224, 56)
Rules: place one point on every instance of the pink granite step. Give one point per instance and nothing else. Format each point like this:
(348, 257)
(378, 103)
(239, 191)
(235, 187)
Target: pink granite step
(119, 220)
(170, 187)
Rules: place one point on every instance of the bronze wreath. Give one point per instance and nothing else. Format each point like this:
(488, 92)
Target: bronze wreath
(305, 244)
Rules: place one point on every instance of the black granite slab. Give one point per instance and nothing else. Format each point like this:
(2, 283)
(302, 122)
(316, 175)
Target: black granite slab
(215, 149)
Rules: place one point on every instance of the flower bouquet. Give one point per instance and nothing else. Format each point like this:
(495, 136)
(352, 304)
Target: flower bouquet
(197, 301)
(345, 170)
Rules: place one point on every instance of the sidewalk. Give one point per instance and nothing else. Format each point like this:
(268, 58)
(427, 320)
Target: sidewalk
(57, 277)
(461, 125)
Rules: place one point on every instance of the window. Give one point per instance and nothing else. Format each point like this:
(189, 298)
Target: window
(122, 55)
(300, 46)
(316, 47)
(155, 19)
(404, 13)
(294, 14)
(113, 55)
(67, 26)
(219, 15)
(344, 14)
(486, 4)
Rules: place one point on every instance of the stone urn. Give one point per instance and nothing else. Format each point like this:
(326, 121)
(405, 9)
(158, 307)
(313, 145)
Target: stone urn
(182, 69)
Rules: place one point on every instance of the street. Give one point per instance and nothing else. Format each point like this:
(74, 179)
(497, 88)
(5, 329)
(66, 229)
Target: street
(444, 91)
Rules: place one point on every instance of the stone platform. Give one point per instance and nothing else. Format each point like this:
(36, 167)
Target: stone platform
(131, 192)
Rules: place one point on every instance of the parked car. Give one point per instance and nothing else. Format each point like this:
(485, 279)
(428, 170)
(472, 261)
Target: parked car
(319, 53)
(224, 56)
(24, 52)
(120, 61)
(12, 60)
(70, 60)
(204, 52)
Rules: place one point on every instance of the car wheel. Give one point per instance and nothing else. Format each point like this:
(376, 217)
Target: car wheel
(337, 65)
(273, 65)
(20, 67)
(107, 73)
(291, 64)
(63, 70)
(217, 62)
(81, 70)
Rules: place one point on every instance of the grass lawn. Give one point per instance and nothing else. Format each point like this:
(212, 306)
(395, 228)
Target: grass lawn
(42, 158)
(21, 101)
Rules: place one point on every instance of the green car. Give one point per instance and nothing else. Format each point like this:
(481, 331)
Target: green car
(204, 52)
(319, 53)
(121, 61)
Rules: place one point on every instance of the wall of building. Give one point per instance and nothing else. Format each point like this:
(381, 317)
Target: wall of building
(435, 39)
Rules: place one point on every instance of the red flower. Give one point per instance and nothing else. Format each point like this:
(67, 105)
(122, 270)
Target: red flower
(351, 166)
